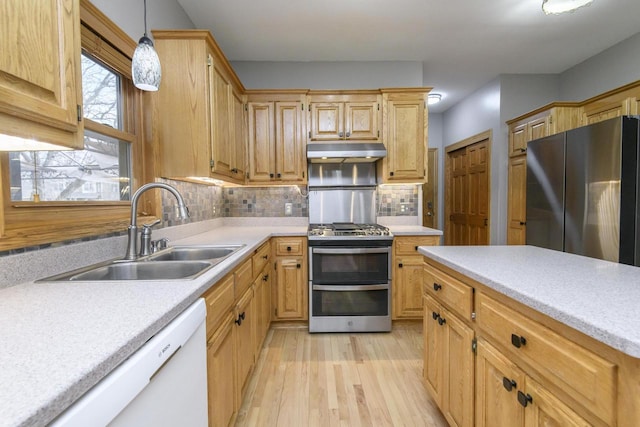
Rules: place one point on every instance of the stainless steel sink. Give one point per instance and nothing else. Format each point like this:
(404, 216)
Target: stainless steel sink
(195, 253)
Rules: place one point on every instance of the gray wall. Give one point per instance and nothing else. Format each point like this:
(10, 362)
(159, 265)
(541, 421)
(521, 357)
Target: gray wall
(328, 75)
(129, 15)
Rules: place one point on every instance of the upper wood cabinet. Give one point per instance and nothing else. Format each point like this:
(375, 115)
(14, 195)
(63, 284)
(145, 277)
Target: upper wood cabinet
(199, 115)
(40, 76)
(405, 123)
(353, 116)
(276, 138)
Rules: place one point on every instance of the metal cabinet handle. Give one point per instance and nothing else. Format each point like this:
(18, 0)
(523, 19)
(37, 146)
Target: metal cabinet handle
(348, 134)
(442, 321)
(288, 248)
(518, 341)
(436, 286)
(340, 134)
(270, 175)
(435, 315)
(524, 399)
(400, 265)
(523, 222)
(508, 384)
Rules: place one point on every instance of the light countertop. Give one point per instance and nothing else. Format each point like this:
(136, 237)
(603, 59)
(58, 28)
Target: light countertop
(413, 230)
(59, 339)
(598, 298)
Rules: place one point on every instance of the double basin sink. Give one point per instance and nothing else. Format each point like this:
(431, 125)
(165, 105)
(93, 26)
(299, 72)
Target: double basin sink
(173, 263)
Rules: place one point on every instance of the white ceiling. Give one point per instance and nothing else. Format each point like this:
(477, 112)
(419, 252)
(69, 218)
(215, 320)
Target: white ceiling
(462, 44)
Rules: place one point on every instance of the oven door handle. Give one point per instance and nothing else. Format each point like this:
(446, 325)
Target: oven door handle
(343, 251)
(349, 288)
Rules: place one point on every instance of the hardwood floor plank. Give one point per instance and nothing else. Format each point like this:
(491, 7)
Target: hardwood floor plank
(350, 380)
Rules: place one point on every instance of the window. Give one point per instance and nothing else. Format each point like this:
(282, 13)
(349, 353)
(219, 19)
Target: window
(48, 176)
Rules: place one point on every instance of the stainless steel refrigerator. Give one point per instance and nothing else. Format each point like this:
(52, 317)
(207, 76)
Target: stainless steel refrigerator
(583, 191)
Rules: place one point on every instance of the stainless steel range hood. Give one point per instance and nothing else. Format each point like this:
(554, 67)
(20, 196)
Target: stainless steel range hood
(345, 152)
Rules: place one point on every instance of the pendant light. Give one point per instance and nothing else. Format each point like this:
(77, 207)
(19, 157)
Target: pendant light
(556, 7)
(145, 64)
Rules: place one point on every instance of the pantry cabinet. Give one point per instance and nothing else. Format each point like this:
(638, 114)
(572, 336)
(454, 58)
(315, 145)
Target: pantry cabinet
(290, 298)
(407, 275)
(344, 116)
(405, 124)
(40, 72)
(517, 201)
(276, 138)
(198, 111)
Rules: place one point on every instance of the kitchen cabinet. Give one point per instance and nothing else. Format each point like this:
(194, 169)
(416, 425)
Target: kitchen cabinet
(407, 275)
(198, 111)
(221, 373)
(405, 123)
(40, 72)
(517, 201)
(344, 116)
(448, 346)
(290, 294)
(244, 319)
(262, 273)
(276, 138)
(615, 103)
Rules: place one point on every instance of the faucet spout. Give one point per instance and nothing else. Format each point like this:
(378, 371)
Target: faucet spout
(181, 210)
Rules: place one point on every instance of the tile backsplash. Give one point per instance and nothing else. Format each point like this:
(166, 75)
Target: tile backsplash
(398, 200)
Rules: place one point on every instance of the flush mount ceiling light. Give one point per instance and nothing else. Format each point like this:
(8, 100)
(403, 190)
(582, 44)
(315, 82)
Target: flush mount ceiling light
(556, 7)
(145, 64)
(433, 98)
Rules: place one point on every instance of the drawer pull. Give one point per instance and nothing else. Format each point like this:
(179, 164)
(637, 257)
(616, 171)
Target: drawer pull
(288, 248)
(442, 321)
(400, 265)
(265, 277)
(265, 256)
(436, 286)
(524, 399)
(435, 315)
(518, 341)
(508, 384)
(416, 247)
(240, 318)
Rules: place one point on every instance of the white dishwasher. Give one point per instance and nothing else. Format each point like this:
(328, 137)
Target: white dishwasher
(162, 384)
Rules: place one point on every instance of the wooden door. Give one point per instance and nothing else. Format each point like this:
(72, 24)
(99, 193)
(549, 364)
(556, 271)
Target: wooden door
(290, 143)
(430, 191)
(405, 140)
(261, 142)
(517, 201)
(40, 76)
(361, 121)
(407, 287)
(458, 230)
(238, 137)
(547, 410)
(497, 383)
(433, 350)
(222, 152)
(290, 289)
(221, 360)
(327, 121)
(478, 200)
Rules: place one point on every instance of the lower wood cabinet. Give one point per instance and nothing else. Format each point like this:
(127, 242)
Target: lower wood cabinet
(221, 373)
(291, 284)
(244, 323)
(406, 284)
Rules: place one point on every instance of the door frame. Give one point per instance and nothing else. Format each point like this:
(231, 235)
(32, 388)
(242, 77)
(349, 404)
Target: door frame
(480, 137)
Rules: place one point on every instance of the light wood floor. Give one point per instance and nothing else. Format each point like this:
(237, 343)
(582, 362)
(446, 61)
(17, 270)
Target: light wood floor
(304, 379)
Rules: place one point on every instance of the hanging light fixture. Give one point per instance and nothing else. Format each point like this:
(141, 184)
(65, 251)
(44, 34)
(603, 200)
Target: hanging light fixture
(145, 64)
(556, 7)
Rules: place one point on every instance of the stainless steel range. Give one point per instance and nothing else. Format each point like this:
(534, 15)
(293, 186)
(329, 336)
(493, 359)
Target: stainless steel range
(349, 254)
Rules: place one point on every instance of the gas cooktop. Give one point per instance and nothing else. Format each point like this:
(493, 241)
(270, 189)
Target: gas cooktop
(349, 230)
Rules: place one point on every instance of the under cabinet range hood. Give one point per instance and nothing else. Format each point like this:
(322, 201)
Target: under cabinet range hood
(345, 152)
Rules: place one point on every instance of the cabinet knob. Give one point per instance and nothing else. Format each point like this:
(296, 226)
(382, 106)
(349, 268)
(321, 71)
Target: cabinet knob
(288, 248)
(436, 286)
(270, 175)
(265, 256)
(348, 134)
(341, 134)
(298, 265)
(518, 341)
(265, 277)
(441, 320)
(508, 384)
(400, 265)
(416, 247)
(240, 318)
(524, 399)
(523, 222)
(523, 150)
(279, 175)
(390, 173)
(435, 315)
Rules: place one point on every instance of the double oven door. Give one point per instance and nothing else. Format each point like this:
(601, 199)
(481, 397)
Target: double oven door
(350, 287)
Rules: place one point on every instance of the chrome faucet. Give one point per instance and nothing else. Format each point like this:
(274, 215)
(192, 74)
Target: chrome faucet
(181, 210)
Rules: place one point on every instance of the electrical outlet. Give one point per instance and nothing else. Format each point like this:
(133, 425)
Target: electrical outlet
(288, 209)
(403, 207)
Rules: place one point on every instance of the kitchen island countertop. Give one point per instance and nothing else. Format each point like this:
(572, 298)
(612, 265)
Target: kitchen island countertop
(598, 298)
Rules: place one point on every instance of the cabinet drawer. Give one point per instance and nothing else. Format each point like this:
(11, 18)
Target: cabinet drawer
(584, 376)
(219, 301)
(244, 277)
(452, 292)
(409, 245)
(261, 258)
(289, 246)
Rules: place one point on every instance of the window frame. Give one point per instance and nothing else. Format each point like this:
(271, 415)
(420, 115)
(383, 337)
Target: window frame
(25, 223)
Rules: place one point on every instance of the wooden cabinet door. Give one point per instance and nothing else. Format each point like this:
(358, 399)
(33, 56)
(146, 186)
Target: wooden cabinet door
(290, 142)
(327, 121)
(291, 286)
(407, 287)
(434, 351)
(222, 152)
(40, 70)
(361, 121)
(517, 201)
(546, 410)
(518, 138)
(245, 347)
(406, 143)
(238, 138)
(261, 142)
(458, 372)
(539, 128)
(496, 405)
(220, 374)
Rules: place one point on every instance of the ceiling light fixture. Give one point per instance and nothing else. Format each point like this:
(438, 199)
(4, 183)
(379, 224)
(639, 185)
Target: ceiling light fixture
(433, 98)
(556, 7)
(145, 64)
